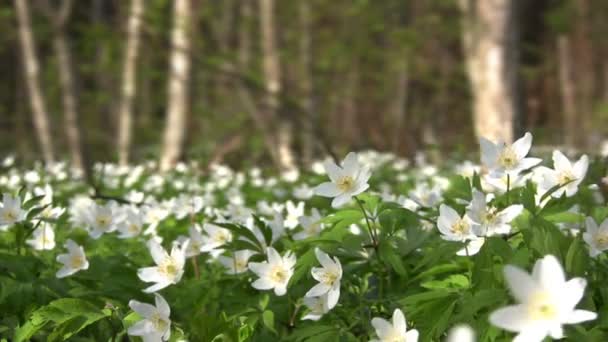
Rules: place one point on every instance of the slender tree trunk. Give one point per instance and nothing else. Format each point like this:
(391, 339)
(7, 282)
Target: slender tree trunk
(179, 73)
(400, 104)
(567, 88)
(30, 65)
(491, 50)
(306, 91)
(129, 82)
(59, 18)
(272, 82)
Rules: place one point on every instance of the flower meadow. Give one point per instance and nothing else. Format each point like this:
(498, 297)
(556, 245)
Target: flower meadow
(371, 247)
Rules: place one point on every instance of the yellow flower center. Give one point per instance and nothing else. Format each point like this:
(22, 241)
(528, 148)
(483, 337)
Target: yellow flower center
(601, 240)
(541, 307)
(103, 222)
(507, 158)
(461, 227)
(345, 183)
(565, 177)
(329, 278)
(10, 215)
(489, 216)
(169, 268)
(133, 228)
(279, 275)
(76, 261)
(159, 323)
(313, 229)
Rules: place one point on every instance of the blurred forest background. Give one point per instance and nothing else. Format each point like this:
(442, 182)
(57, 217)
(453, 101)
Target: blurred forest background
(279, 82)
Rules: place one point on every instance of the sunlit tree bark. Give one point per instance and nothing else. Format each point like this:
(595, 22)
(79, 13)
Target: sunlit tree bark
(179, 76)
(129, 82)
(490, 45)
(32, 80)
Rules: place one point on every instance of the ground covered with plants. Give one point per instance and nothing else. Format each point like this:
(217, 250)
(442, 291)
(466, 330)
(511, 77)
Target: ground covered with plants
(371, 247)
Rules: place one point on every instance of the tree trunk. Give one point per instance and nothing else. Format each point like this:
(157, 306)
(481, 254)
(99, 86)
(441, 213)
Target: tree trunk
(272, 82)
(400, 105)
(491, 50)
(306, 90)
(129, 82)
(59, 18)
(567, 87)
(30, 65)
(179, 73)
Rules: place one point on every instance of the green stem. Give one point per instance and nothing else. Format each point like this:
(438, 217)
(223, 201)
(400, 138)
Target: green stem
(372, 233)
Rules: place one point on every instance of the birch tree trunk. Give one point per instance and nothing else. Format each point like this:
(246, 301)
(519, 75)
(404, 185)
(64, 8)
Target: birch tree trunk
(179, 72)
(491, 50)
(59, 18)
(30, 65)
(129, 82)
(400, 105)
(272, 81)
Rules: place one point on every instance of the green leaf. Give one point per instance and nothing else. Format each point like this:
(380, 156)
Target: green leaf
(268, 319)
(391, 258)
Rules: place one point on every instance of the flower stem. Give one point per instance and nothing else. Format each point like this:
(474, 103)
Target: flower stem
(508, 189)
(372, 232)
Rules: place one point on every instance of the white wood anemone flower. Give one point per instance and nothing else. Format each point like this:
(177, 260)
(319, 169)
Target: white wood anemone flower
(453, 227)
(169, 268)
(102, 219)
(596, 237)
(566, 174)
(74, 261)
(347, 180)
(237, 263)
(545, 299)
(10, 210)
(488, 219)
(501, 158)
(311, 225)
(317, 306)
(395, 331)
(274, 273)
(328, 276)
(156, 324)
(43, 237)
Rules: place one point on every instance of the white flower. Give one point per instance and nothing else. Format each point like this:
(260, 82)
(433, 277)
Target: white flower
(346, 181)
(10, 210)
(310, 225)
(502, 158)
(501, 183)
(426, 196)
(169, 269)
(274, 273)
(546, 301)
(214, 237)
(596, 238)
(156, 325)
(317, 306)
(294, 212)
(453, 227)
(101, 220)
(132, 225)
(237, 263)
(489, 220)
(43, 238)
(565, 174)
(472, 247)
(461, 333)
(72, 262)
(185, 205)
(303, 192)
(328, 276)
(395, 331)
